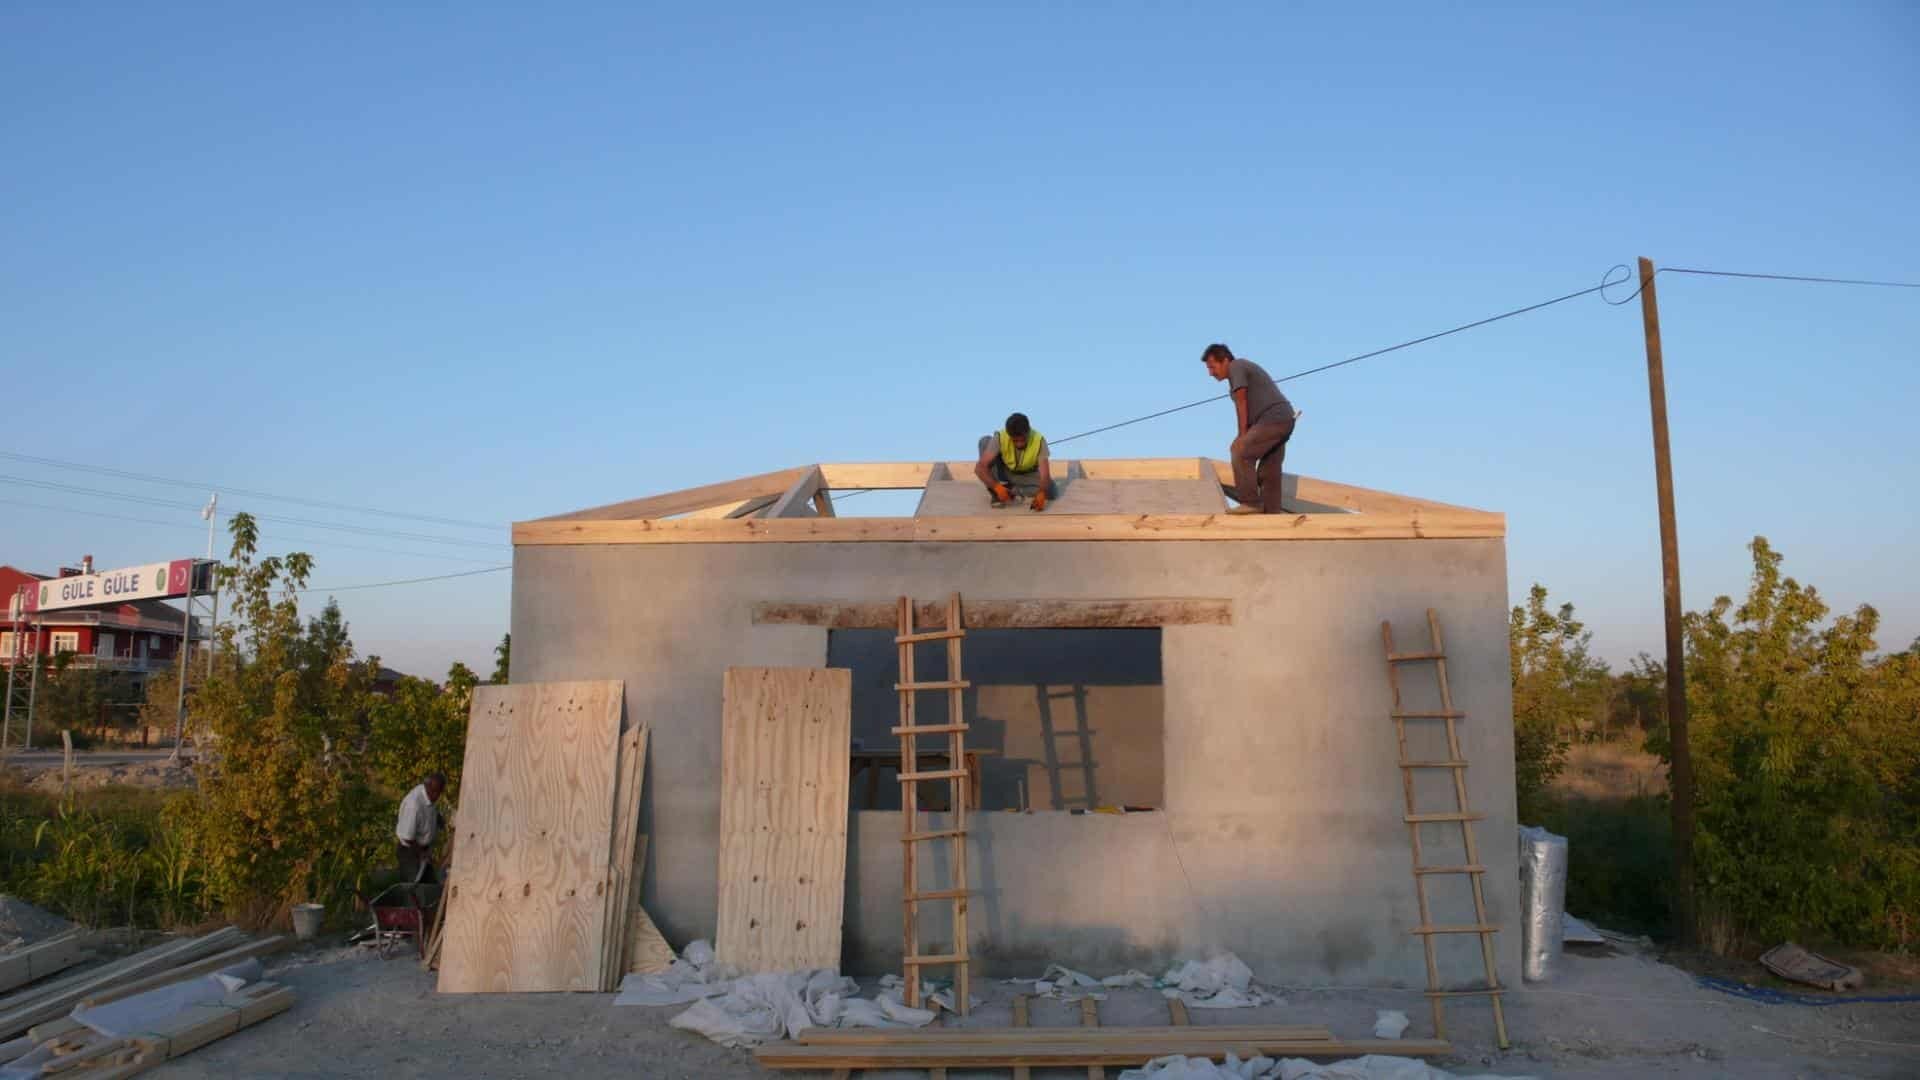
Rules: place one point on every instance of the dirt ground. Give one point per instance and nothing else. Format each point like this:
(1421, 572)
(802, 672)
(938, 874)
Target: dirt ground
(1612, 1017)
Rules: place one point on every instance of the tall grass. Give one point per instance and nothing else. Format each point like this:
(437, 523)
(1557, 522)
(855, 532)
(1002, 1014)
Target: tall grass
(109, 856)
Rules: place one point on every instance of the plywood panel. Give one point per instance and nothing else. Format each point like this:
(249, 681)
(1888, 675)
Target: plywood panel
(1188, 495)
(783, 817)
(536, 822)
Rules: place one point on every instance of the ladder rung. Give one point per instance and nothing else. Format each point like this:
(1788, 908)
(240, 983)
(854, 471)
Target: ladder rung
(1429, 716)
(949, 958)
(1416, 819)
(1408, 657)
(1433, 764)
(1493, 991)
(1472, 869)
(930, 729)
(934, 835)
(930, 635)
(943, 774)
(951, 684)
(941, 894)
(1470, 928)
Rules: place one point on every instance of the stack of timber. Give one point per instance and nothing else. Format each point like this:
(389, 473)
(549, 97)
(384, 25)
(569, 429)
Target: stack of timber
(35, 962)
(548, 881)
(38, 1016)
(73, 1051)
(145, 970)
(1023, 1048)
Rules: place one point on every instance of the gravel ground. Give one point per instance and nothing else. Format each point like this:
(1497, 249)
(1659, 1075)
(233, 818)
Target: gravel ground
(1609, 1017)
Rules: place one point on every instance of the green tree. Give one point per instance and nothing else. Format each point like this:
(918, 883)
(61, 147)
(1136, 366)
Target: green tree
(421, 728)
(502, 654)
(285, 812)
(69, 700)
(1559, 690)
(1806, 759)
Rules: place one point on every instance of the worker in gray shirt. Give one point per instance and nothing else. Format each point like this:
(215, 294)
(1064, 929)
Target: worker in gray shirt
(1265, 418)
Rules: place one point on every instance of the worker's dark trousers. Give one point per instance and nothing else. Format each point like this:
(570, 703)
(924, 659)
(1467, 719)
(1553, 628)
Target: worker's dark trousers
(1256, 458)
(413, 867)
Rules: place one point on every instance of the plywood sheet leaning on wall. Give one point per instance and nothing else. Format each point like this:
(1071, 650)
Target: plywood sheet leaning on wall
(783, 817)
(528, 910)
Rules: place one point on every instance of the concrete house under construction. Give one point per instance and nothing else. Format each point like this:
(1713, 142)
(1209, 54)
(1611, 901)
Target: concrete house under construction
(1219, 680)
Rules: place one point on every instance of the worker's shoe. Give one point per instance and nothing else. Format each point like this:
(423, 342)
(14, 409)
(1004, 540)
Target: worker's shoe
(1245, 510)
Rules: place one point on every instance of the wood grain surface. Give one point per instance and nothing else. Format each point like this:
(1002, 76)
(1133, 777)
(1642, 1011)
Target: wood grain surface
(783, 817)
(528, 911)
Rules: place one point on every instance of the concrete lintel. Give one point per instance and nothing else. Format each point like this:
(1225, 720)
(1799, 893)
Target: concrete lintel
(1004, 614)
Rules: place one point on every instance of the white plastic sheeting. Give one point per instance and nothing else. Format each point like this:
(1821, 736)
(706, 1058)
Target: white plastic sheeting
(1370, 1067)
(1222, 981)
(1389, 1024)
(751, 1009)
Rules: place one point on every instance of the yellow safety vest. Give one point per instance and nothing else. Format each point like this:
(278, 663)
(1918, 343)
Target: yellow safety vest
(1022, 461)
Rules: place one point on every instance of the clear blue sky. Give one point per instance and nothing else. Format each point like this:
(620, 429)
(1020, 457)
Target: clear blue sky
(490, 263)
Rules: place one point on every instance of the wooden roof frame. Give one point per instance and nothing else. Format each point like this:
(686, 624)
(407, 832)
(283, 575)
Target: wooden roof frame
(792, 506)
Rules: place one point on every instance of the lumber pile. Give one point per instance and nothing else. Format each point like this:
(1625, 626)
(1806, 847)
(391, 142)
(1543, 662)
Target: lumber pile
(42, 1035)
(35, 962)
(153, 967)
(76, 1052)
(548, 886)
(1031, 1048)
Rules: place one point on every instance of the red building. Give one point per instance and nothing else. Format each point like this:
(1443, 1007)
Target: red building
(138, 636)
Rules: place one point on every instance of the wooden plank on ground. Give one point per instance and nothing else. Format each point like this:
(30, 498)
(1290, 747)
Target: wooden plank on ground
(41, 960)
(1226, 1034)
(785, 736)
(527, 910)
(209, 965)
(1005, 614)
(46, 1002)
(1045, 1052)
(1090, 1017)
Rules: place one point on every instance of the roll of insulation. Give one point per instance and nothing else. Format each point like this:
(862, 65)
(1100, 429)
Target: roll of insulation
(1543, 901)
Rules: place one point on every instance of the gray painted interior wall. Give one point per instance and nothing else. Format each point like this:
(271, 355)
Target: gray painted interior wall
(1068, 718)
(1282, 837)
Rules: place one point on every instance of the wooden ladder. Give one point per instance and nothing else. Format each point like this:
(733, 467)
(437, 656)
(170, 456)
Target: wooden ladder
(1455, 762)
(910, 779)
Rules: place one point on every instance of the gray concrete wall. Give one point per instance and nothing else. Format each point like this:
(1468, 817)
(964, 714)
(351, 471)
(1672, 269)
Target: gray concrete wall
(1282, 837)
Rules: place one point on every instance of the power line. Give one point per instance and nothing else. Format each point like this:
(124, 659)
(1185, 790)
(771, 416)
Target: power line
(1463, 327)
(148, 500)
(406, 581)
(1790, 277)
(318, 504)
(275, 534)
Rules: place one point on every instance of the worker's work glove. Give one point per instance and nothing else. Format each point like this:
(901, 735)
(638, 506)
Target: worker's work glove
(1001, 496)
(1040, 499)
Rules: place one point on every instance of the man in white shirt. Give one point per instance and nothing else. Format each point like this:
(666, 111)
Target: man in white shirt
(419, 823)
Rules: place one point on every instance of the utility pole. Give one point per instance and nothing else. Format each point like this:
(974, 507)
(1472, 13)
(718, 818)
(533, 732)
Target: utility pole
(1680, 778)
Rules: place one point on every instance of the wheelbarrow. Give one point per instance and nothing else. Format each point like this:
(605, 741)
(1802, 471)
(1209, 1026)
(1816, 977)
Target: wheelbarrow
(400, 911)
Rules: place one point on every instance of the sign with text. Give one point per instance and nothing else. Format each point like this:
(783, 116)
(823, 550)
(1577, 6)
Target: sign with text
(153, 581)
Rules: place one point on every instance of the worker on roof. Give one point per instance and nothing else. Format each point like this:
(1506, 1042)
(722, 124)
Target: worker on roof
(1265, 422)
(1013, 461)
